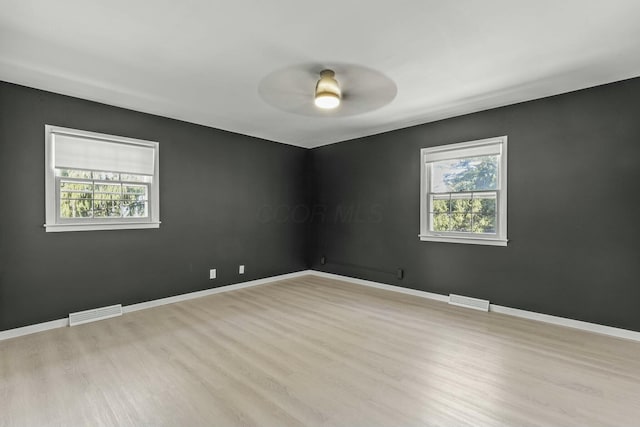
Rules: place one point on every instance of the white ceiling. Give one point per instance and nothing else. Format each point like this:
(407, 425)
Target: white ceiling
(202, 61)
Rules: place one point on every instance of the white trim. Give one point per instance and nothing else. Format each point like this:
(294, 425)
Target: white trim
(467, 240)
(531, 315)
(61, 323)
(400, 289)
(98, 226)
(569, 323)
(198, 294)
(32, 329)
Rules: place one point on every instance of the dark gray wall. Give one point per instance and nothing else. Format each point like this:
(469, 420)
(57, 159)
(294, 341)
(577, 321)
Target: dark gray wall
(574, 218)
(215, 188)
(229, 199)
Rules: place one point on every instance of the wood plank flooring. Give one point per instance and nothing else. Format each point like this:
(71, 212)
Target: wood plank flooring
(318, 352)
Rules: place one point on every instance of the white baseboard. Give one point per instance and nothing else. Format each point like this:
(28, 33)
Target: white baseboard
(556, 320)
(400, 289)
(204, 293)
(32, 329)
(61, 323)
(570, 323)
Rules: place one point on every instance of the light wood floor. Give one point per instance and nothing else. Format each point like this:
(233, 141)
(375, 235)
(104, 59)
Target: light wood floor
(318, 352)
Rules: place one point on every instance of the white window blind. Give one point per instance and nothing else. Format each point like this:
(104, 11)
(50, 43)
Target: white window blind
(450, 153)
(77, 152)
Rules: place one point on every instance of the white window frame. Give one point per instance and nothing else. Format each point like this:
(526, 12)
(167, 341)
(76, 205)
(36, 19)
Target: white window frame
(464, 150)
(53, 222)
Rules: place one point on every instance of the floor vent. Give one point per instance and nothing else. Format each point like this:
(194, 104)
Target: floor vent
(94, 314)
(475, 303)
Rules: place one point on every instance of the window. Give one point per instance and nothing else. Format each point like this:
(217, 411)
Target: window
(464, 193)
(99, 182)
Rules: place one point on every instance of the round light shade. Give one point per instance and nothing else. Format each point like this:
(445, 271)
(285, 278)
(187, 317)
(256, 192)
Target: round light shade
(327, 100)
(327, 91)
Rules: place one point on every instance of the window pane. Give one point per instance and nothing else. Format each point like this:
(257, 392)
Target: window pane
(464, 212)
(75, 190)
(108, 198)
(128, 198)
(75, 208)
(106, 176)
(484, 223)
(107, 191)
(462, 205)
(135, 192)
(441, 222)
(484, 205)
(134, 178)
(106, 208)
(470, 174)
(73, 173)
(460, 221)
(135, 209)
(441, 205)
(484, 218)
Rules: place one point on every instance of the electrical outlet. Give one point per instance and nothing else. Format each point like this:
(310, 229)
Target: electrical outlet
(212, 273)
(241, 269)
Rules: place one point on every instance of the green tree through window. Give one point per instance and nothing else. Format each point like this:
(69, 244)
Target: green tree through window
(470, 204)
(91, 194)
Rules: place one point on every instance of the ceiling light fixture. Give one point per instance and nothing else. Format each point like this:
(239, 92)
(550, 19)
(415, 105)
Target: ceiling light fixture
(328, 93)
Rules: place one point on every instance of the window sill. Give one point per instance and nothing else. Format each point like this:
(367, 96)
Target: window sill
(465, 240)
(100, 226)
